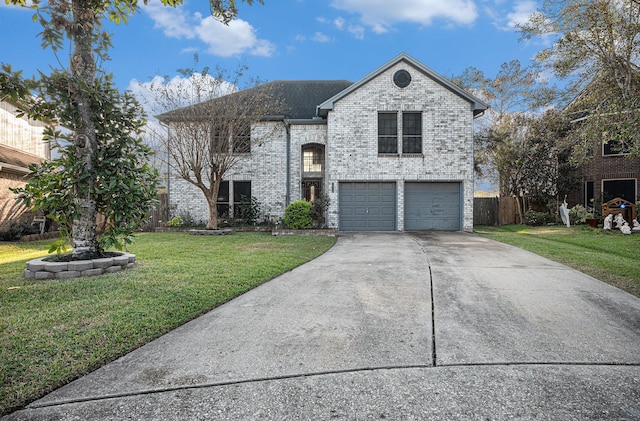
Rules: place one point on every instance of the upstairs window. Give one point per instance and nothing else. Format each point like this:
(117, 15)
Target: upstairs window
(239, 141)
(615, 147)
(387, 133)
(412, 133)
(390, 131)
(219, 140)
(312, 159)
(242, 139)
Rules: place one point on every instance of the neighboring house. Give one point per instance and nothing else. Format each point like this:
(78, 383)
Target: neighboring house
(392, 151)
(21, 145)
(611, 172)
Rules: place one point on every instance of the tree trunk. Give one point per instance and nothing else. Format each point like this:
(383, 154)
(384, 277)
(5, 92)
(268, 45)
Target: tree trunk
(212, 223)
(212, 201)
(519, 208)
(83, 70)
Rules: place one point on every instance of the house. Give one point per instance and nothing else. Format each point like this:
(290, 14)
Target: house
(608, 175)
(610, 172)
(21, 145)
(392, 152)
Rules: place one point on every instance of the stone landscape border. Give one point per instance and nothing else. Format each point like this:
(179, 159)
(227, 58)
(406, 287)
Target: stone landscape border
(305, 233)
(43, 269)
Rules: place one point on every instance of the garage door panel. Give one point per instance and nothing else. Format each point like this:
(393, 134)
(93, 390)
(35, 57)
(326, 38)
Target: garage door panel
(360, 198)
(432, 206)
(372, 209)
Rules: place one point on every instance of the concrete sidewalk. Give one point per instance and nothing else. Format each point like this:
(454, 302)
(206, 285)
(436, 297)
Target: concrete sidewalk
(356, 334)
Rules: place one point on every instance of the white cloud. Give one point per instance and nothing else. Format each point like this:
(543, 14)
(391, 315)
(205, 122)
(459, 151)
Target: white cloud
(357, 31)
(238, 37)
(381, 15)
(174, 22)
(340, 24)
(521, 13)
(507, 20)
(320, 37)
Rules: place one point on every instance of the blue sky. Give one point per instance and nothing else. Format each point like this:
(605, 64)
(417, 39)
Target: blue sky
(296, 39)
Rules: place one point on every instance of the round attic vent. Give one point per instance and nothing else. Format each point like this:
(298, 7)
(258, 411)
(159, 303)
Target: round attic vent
(402, 78)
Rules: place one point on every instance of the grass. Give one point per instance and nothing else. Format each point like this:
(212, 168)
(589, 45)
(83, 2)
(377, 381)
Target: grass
(52, 332)
(609, 256)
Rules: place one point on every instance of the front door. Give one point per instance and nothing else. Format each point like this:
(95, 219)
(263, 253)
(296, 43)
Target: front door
(312, 189)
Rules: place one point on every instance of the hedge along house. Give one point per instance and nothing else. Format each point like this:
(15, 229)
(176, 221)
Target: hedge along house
(392, 151)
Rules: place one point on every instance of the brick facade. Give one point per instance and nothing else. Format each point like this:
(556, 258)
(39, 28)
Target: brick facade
(606, 168)
(349, 134)
(11, 211)
(447, 130)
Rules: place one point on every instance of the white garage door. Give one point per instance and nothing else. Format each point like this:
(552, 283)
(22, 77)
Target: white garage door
(432, 206)
(367, 206)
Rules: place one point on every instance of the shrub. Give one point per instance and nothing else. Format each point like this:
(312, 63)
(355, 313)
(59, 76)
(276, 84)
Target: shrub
(188, 220)
(249, 209)
(175, 222)
(577, 214)
(16, 231)
(537, 218)
(319, 211)
(298, 215)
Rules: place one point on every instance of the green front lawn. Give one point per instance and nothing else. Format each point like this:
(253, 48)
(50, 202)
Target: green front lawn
(609, 256)
(52, 332)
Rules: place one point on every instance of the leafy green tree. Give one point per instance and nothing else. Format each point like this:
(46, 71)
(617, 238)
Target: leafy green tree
(517, 147)
(514, 90)
(529, 161)
(123, 185)
(593, 46)
(79, 96)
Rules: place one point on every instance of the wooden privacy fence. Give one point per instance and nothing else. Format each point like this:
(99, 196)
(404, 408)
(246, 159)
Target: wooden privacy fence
(159, 213)
(495, 211)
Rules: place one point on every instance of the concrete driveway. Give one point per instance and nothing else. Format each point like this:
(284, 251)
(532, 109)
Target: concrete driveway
(386, 326)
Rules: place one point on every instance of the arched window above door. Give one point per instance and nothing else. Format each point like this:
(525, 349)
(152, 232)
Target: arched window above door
(313, 159)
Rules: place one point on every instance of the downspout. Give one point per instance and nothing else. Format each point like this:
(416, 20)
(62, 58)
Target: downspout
(287, 126)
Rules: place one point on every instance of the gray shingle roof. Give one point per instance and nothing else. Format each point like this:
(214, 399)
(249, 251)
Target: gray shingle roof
(303, 96)
(294, 99)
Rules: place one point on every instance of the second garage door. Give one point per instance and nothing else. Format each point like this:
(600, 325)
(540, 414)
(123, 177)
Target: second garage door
(367, 206)
(432, 206)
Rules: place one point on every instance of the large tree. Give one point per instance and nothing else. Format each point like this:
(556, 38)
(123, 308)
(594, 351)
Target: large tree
(208, 138)
(512, 147)
(81, 22)
(532, 165)
(595, 46)
(514, 89)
